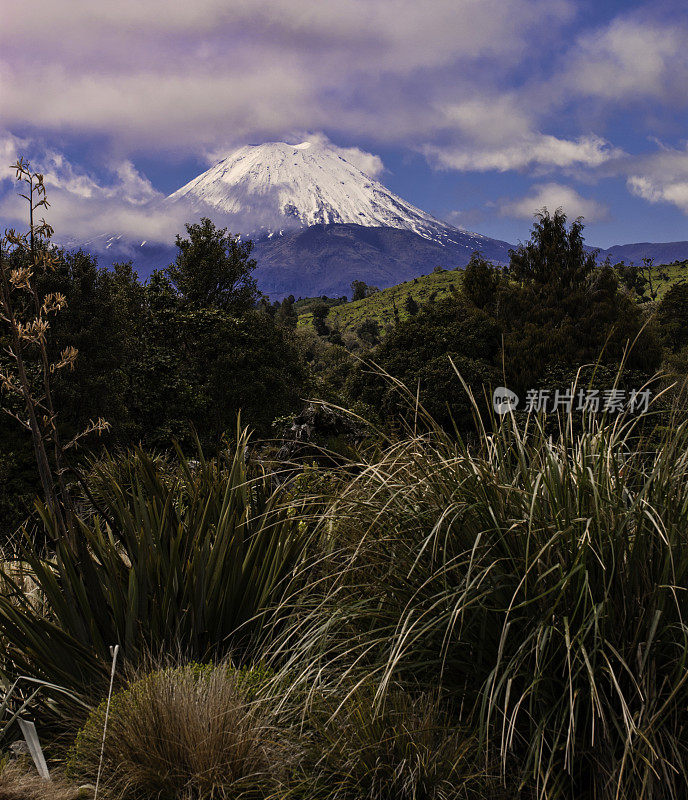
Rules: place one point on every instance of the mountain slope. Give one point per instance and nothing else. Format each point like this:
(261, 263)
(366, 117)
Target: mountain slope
(325, 259)
(380, 306)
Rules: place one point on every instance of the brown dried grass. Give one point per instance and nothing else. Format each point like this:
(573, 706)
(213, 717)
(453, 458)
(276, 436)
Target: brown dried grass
(16, 783)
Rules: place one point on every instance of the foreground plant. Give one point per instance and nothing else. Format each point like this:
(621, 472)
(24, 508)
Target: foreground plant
(20, 782)
(407, 748)
(186, 733)
(540, 580)
(182, 557)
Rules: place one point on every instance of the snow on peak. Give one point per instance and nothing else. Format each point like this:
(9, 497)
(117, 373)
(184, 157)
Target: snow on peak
(278, 185)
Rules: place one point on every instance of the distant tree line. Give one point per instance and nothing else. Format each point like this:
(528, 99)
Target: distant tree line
(532, 324)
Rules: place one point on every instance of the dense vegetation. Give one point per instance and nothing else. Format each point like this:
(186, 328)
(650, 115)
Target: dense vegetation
(391, 594)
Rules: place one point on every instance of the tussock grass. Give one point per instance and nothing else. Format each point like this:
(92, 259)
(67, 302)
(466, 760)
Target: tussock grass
(186, 733)
(541, 581)
(405, 749)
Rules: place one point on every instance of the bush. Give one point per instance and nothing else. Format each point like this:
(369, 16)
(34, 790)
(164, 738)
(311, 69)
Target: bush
(178, 557)
(540, 581)
(186, 733)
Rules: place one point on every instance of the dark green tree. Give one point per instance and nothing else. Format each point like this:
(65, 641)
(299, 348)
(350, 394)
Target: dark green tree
(360, 290)
(320, 314)
(411, 305)
(213, 269)
(654, 275)
(480, 281)
(198, 367)
(418, 351)
(555, 256)
(286, 315)
(369, 331)
(101, 321)
(672, 316)
(561, 308)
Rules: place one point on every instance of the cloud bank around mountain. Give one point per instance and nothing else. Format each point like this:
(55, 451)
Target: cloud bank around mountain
(557, 92)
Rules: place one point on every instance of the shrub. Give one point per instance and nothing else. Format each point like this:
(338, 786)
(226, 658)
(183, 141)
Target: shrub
(186, 560)
(539, 580)
(186, 733)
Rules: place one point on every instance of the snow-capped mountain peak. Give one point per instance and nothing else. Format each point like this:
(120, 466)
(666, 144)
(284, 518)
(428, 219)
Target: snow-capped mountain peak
(276, 185)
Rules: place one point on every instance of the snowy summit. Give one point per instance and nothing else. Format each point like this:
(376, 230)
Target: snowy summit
(280, 185)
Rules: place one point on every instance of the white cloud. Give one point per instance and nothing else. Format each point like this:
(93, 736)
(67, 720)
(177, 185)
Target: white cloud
(367, 162)
(160, 75)
(632, 58)
(82, 205)
(675, 191)
(389, 34)
(530, 150)
(11, 148)
(661, 177)
(500, 132)
(553, 196)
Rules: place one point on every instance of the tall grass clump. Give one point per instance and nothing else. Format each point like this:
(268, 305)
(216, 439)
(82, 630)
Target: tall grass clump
(186, 733)
(183, 558)
(540, 580)
(404, 749)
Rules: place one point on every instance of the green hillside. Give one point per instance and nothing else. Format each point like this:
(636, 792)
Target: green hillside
(676, 272)
(380, 306)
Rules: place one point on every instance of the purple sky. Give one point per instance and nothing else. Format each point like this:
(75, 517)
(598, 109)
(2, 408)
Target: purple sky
(480, 111)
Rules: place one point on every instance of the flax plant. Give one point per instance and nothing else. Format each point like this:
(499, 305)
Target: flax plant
(187, 557)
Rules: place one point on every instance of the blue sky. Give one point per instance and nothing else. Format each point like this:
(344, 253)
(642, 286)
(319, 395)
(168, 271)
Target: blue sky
(479, 111)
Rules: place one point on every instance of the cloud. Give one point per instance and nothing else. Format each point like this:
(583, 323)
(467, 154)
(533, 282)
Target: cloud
(499, 132)
(159, 76)
(367, 162)
(662, 177)
(553, 196)
(386, 34)
(82, 205)
(675, 191)
(634, 57)
(11, 148)
(530, 150)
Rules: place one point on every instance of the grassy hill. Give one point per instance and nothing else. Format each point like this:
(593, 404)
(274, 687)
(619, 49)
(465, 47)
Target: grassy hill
(380, 306)
(677, 272)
